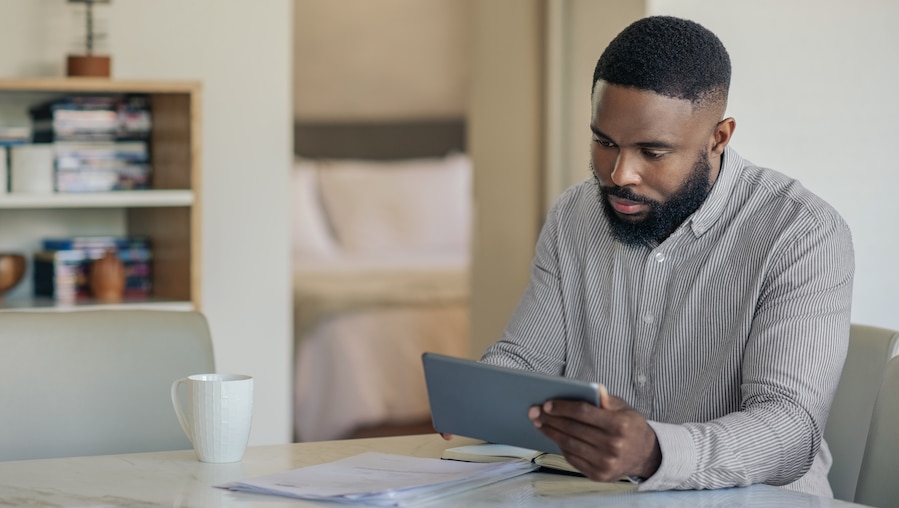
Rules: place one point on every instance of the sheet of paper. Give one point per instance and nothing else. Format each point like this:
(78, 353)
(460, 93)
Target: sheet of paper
(383, 479)
(497, 450)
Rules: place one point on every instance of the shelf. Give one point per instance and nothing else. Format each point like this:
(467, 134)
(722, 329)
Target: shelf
(48, 304)
(120, 199)
(96, 85)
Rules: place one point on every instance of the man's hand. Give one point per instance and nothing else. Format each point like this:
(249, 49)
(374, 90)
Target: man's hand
(604, 443)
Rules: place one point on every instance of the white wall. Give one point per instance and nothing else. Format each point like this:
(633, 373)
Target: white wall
(242, 54)
(814, 96)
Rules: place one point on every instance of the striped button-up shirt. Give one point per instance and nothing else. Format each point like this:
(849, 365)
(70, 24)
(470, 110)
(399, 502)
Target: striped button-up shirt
(729, 336)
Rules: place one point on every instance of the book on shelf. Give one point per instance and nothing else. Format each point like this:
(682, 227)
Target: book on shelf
(10, 136)
(62, 269)
(63, 275)
(100, 142)
(75, 153)
(96, 242)
(4, 170)
(100, 179)
(491, 452)
(101, 166)
(112, 117)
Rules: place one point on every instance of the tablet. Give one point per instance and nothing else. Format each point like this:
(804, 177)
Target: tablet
(481, 401)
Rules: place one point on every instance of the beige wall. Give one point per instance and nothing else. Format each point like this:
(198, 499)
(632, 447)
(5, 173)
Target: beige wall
(578, 32)
(506, 145)
(529, 115)
(241, 53)
(389, 59)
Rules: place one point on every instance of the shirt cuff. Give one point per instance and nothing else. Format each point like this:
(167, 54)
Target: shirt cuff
(678, 457)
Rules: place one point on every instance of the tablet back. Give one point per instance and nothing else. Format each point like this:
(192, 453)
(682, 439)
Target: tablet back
(486, 402)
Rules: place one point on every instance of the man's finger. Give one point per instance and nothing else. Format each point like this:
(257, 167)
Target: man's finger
(615, 404)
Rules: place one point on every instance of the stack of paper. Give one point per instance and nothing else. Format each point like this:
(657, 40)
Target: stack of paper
(382, 479)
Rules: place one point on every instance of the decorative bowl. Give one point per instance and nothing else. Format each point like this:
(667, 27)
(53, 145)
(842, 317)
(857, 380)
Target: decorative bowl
(12, 268)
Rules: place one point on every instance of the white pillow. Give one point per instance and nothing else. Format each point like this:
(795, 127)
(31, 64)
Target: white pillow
(312, 235)
(400, 206)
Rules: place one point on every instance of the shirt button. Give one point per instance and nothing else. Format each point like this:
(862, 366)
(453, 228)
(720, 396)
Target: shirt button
(648, 319)
(641, 380)
(660, 257)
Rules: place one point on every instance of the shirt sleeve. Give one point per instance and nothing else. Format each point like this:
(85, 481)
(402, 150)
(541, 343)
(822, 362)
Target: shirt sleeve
(791, 366)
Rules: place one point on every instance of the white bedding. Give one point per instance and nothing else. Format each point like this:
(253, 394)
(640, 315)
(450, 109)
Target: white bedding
(335, 284)
(360, 336)
(363, 367)
(365, 310)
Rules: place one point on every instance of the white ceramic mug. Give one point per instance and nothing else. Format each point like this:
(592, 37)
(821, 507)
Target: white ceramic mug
(220, 409)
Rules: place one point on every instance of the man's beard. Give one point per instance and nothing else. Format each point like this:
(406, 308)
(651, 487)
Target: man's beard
(663, 218)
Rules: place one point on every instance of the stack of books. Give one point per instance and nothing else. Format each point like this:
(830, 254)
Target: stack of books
(100, 141)
(62, 267)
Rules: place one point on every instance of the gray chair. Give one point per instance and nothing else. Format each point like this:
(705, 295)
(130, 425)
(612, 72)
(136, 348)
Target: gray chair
(95, 382)
(870, 349)
(878, 483)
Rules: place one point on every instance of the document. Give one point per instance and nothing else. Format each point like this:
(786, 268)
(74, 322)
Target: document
(382, 479)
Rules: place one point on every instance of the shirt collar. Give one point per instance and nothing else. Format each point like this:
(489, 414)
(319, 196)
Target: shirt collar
(705, 217)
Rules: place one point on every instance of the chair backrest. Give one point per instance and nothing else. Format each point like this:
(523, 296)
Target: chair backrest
(878, 484)
(95, 382)
(870, 348)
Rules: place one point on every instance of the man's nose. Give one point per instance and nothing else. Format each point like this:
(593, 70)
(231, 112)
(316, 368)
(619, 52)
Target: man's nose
(626, 171)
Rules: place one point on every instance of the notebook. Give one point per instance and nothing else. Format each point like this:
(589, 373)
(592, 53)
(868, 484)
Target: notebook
(481, 401)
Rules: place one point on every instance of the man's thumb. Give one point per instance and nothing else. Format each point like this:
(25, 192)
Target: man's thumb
(606, 401)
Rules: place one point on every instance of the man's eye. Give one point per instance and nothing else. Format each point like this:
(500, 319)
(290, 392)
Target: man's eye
(650, 154)
(604, 142)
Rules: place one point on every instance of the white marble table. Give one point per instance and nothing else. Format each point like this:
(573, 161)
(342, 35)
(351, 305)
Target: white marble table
(177, 479)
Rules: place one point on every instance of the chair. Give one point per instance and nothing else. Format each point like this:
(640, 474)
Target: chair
(870, 349)
(95, 382)
(877, 482)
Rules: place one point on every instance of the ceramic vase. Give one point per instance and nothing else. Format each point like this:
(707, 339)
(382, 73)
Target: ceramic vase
(107, 277)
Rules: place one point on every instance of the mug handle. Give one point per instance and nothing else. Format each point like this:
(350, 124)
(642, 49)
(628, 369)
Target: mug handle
(178, 411)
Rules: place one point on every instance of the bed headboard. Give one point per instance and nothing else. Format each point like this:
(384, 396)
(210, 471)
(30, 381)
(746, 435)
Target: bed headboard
(379, 140)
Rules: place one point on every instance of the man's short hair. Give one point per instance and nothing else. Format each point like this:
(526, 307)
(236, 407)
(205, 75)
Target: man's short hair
(670, 56)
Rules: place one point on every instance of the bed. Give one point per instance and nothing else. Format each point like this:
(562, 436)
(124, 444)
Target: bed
(381, 222)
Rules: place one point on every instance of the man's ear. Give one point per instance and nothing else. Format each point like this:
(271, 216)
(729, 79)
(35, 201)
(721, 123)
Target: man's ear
(724, 130)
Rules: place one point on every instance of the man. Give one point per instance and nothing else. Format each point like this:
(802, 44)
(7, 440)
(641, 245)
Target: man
(709, 296)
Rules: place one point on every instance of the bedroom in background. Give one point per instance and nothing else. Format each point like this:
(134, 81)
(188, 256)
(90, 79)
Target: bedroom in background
(382, 210)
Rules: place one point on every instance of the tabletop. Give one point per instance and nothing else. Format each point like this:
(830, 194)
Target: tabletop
(178, 479)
